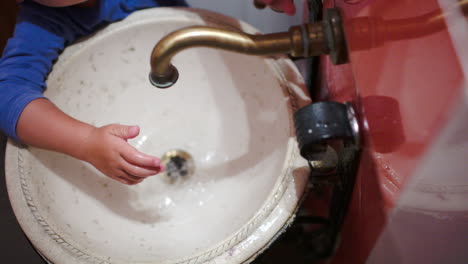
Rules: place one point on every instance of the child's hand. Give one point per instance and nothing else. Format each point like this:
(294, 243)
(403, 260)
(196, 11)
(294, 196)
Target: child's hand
(286, 6)
(106, 148)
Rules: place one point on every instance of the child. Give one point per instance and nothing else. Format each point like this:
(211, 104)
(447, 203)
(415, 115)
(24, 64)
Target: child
(43, 29)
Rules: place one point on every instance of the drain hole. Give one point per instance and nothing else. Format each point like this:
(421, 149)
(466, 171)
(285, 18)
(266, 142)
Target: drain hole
(178, 163)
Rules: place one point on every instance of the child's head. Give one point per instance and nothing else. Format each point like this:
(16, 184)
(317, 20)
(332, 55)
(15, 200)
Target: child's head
(60, 3)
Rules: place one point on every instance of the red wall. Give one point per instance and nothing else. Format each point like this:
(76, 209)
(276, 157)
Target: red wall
(403, 90)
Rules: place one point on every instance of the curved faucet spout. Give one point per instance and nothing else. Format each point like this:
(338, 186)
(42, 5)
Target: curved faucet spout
(305, 40)
(325, 37)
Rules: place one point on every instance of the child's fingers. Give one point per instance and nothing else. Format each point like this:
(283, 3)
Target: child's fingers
(127, 181)
(137, 158)
(139, 171)
(122, 131)
(126, 178)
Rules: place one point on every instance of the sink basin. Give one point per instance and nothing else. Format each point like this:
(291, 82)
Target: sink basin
(232, 113)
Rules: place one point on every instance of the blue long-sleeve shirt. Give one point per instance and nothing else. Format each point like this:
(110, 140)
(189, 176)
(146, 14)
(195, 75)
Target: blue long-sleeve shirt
(41, 33)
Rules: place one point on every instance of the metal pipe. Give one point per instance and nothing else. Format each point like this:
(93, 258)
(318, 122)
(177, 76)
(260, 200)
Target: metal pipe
(370, 32)
(299, 41)
(324, 37)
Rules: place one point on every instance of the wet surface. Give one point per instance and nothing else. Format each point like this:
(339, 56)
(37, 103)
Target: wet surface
(178, 164)
(17, 249)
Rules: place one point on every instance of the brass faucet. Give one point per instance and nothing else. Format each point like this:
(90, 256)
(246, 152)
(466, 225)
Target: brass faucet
(325, 37)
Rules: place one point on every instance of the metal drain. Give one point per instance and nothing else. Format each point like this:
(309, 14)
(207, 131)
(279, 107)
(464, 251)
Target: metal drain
(178, 164)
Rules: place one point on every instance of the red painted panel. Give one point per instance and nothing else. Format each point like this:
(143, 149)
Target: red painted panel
(403, 83)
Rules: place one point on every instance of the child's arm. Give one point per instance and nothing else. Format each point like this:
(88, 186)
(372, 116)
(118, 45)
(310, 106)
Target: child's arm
(106, 148)
(25, 115)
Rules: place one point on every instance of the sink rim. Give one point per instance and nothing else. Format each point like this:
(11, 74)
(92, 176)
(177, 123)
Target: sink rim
(18, 188)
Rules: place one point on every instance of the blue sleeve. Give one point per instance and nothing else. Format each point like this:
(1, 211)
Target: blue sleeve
(41, 33)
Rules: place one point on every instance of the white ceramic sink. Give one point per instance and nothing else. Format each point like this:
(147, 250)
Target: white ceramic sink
(231, 112)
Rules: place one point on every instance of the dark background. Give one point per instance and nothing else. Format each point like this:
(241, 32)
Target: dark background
(14, 244)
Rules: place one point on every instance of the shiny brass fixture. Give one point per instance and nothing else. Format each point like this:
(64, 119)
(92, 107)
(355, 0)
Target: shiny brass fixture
(325, 37)
(372, 31)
